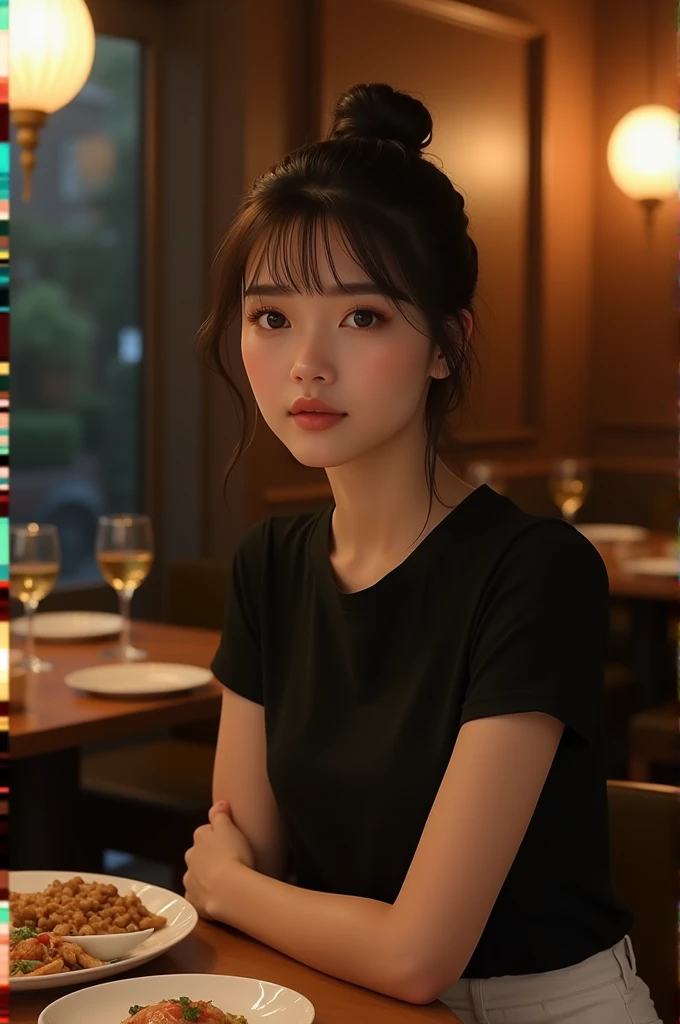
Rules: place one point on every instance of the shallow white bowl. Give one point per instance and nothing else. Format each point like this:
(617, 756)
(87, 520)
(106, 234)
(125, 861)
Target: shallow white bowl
(108, 1004)
(111, 947)
(182, 919)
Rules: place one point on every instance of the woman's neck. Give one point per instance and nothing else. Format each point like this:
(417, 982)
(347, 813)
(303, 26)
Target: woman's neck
(381, 513)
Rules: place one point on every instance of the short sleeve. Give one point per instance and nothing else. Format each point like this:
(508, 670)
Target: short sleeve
(237, 663)
(540, 638)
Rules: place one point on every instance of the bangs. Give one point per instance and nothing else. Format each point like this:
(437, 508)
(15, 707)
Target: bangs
(300, 242)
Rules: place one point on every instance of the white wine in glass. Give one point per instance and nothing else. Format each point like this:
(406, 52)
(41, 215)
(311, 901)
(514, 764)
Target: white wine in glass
(125, 556)
(569, 486)
(35, 563)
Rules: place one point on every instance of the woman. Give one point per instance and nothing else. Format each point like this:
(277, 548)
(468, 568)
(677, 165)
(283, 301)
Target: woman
(412, 716)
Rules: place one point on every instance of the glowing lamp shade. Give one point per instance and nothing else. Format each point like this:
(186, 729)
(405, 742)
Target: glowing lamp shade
(642, 154)
(51, 52)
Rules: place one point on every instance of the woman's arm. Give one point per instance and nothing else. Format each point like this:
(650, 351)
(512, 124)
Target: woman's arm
(417, 948)
(240, 778)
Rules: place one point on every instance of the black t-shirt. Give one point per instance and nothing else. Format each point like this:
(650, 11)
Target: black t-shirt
(494, 612)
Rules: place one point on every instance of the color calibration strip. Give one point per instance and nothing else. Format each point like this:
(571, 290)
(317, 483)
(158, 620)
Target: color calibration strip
(4, 509)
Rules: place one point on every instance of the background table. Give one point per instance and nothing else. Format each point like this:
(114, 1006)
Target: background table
(46, 738)
(58, 718)
(652, 601)
(214, 950)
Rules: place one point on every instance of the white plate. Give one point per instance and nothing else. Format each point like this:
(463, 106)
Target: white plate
(612, 533)
(182, 919)
(108, 1004)
(658, 566)
(70, 625)
(138, 679)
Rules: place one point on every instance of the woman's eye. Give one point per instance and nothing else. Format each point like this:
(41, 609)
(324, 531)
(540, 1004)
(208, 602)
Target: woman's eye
(363, 318)
(272, 321)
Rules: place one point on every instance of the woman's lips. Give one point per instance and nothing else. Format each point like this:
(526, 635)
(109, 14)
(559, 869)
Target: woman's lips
(317, 420)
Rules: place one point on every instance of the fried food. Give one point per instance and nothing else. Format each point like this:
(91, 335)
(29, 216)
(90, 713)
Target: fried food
(46, 953)
(76, 907)
(169, 1011)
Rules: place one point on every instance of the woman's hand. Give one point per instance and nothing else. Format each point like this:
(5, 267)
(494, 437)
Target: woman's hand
(217, 847)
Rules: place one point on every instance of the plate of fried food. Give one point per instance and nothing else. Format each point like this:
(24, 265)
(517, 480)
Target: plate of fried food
(205, 998)
(69, 929)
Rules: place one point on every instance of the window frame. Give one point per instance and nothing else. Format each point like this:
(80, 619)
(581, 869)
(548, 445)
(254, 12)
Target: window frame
(172, 77)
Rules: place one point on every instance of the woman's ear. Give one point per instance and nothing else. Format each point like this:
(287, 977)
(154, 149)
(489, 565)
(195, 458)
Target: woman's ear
(439, 368)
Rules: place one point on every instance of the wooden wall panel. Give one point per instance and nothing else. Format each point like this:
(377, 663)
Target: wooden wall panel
(573, 380)
(634, 336)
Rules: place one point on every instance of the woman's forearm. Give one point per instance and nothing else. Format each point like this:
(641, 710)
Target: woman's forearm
(345, 936)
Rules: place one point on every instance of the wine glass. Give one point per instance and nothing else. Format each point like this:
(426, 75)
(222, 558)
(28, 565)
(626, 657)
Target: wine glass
(35, 563)
(489, 473)
(569, 485)
(125, 555)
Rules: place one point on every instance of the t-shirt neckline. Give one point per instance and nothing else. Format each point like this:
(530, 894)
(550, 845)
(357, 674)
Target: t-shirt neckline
(321, 545)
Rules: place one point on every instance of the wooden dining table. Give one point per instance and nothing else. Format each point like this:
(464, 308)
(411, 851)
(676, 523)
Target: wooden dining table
(212, 949)
(48, 735)
(58, 718)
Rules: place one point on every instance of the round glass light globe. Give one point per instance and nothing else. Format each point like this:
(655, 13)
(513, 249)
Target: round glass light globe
(51, 51)
(642, 154)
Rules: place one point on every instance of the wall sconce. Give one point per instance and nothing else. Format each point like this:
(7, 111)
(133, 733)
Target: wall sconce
(51, 53)
(642, 154)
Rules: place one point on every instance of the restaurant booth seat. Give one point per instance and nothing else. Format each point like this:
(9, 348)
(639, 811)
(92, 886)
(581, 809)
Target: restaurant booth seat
(643, 830)
(197, 596)
(147, 798)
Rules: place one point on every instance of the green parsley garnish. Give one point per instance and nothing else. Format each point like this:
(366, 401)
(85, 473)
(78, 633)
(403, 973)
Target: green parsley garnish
(189, 1012)
(24, 967)
(19, 934)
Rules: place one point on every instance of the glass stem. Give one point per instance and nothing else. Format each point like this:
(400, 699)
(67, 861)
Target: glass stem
(29, 646)
(124, 598)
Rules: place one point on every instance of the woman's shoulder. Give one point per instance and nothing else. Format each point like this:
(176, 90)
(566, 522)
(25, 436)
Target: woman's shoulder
(278, 537)
(529, 541)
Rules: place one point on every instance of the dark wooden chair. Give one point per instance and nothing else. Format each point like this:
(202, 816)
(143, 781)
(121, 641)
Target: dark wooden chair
(197, 593)
(621, 701)
(146, 798)
(654, 742)
(643, 830)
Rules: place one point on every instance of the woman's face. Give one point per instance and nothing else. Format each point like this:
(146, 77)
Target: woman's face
(352, 349)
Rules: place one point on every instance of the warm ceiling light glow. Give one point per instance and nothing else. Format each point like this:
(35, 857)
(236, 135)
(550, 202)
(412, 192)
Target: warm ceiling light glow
(642, 154)
(51, 51)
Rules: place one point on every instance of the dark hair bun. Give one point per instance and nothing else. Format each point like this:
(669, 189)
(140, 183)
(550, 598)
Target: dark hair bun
(381, 112)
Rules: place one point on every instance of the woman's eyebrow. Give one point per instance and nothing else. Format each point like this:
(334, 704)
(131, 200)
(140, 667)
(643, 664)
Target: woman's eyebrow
(350, 288)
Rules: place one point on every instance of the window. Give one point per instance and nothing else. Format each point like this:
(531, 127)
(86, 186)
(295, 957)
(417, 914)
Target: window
(76, 312)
